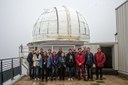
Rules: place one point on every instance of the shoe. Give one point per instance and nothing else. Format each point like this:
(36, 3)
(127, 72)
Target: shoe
(54, 78)
(79, 78)
(51, 79)
(68, 79)
(38, 79)
(97, 78)
(71, 79)
(91, 79)
(85, 79)
(35, 79)
(101, 78)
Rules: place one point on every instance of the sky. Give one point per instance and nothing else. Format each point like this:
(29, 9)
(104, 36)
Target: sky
(17, 18)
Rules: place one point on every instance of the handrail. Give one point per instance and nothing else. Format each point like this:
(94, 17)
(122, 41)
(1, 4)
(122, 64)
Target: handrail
(10, 58)
(9, 69)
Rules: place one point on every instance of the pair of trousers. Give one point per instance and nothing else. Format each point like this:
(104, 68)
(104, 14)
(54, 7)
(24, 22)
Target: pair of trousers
(99, 72)
(54, 71)
(61, 72)
(70, 71)
(31, 73)
(45, 73)
(36, 72)
(89, 71)
(79, 69)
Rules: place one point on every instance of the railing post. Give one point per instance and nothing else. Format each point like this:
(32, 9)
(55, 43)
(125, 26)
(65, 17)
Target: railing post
(1, 73)
(20, 66)
(12, 69)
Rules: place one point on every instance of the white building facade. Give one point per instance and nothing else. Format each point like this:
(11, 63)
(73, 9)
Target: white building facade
(122, 37)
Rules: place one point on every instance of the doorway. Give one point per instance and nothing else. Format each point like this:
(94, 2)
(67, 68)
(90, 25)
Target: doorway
(108, 54)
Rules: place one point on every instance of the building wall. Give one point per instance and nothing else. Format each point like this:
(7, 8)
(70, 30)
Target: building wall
(115, 57)
(122, 34)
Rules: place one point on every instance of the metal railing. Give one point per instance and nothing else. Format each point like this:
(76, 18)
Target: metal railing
(9, 68)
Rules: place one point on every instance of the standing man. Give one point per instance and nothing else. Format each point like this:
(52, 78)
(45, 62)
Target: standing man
(80, 60)
(70, 62)
(30, 61)
(49, 51)
(84, 50)
(59, 52)
(100, 59)
(41, 52)
(89, 64)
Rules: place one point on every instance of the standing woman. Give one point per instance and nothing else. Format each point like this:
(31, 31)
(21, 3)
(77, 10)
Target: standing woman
(61, 66)
(44, 66)
(49, 65)
(36, 65)
(54, 65)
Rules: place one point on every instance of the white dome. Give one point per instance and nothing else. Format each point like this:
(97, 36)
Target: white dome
(61, 23)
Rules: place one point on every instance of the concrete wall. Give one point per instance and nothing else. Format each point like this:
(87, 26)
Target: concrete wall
(122, 34)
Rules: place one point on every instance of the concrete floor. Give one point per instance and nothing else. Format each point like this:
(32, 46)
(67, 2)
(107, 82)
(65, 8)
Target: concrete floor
(108, 80)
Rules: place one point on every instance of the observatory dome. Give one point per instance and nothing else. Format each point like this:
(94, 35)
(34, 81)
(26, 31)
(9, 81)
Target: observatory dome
(61, 23)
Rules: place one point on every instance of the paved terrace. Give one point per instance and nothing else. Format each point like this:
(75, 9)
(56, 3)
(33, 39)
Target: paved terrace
(108, 80)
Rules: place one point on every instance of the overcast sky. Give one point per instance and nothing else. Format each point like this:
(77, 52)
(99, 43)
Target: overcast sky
(17, 18)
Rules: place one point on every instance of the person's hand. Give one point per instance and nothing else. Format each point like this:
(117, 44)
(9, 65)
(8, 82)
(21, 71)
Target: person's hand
(64, 65)
(79, 64)
(94, 65)
(44, 62)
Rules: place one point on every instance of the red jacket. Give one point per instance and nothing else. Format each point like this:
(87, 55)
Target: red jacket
(80, 58)
(100, 59)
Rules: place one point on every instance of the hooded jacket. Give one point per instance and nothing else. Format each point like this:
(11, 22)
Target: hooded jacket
(80, 58)
(100, 59)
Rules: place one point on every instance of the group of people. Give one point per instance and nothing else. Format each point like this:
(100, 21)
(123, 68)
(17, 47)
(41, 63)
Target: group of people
(53, 65)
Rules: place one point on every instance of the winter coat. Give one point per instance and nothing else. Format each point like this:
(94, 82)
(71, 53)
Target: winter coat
(89, 59)
(61, 61)
(30, 58)
(48, 62)
(35, 60)
(40, 60)
(80, 58)
(53, 60)
(70, 60)
(100, 59)
(44, 61)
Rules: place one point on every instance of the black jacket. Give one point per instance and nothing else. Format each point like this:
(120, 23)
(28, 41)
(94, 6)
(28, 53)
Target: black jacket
(30, 58)
(70, 62)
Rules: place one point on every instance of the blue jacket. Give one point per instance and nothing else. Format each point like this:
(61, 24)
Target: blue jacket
(61, 61)
(43, 64)
(48, 62)
(89, 59)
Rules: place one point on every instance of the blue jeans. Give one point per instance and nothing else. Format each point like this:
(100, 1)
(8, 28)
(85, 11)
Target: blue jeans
(54, 71)
(36, 72)
(71, 71)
